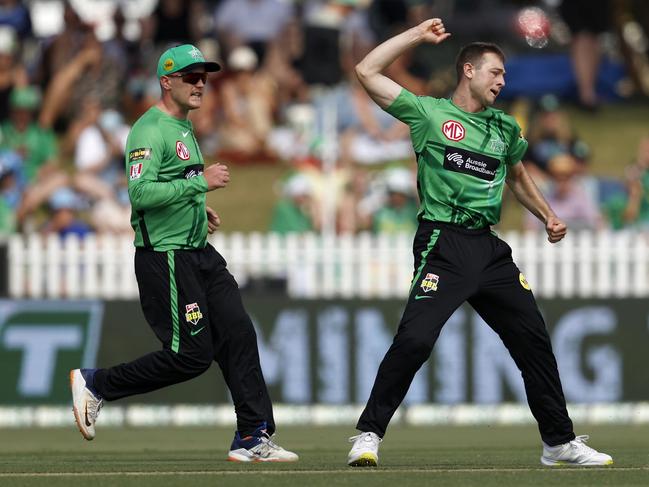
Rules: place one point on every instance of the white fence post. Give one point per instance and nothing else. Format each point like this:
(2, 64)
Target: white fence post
(17, 263)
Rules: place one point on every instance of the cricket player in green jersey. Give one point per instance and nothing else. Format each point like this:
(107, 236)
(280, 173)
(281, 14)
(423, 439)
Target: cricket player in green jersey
(466, 152)
(189, 298)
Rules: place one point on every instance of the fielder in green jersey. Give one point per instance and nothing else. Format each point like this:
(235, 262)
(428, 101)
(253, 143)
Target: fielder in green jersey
(466, 152)
(188, 296)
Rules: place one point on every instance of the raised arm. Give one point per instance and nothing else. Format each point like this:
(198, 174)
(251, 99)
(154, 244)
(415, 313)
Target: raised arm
(531, 198)
(381, 88)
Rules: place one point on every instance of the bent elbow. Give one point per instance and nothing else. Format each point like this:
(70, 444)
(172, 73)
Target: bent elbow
(361, 71)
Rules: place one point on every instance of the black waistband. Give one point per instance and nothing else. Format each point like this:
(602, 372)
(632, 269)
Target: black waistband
(428, 224)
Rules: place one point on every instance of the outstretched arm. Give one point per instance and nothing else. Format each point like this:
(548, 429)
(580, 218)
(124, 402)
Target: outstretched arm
(381, 88)
(531, 198)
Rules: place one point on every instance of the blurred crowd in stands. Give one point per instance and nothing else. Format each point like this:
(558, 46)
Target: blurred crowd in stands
(73, 79)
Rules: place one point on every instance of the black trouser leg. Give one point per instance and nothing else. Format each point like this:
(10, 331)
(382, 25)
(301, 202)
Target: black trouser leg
(425, 314)
(170, 286)
(235, 349)
(511, 311)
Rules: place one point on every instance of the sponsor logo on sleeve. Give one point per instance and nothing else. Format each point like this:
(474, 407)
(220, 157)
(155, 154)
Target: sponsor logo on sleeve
(523, 281)
(139, 154)
(182, 151)
(453, 130)
(471, 163)
(135, 171)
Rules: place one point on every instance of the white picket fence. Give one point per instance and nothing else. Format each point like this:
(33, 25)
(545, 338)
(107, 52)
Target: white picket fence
(585, 264)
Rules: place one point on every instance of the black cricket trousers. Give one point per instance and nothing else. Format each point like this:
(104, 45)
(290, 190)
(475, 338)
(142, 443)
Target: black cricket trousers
(193, 305)
(453, 265)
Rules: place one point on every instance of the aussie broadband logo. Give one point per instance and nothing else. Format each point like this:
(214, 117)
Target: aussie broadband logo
(40, 341)
(471, 163)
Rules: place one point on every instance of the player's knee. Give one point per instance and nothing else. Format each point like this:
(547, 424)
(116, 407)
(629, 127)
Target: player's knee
(195, 362)
(243, 330)
(415, 346)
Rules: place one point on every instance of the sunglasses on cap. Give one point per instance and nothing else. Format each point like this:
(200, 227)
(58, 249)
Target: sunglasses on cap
(190, 78)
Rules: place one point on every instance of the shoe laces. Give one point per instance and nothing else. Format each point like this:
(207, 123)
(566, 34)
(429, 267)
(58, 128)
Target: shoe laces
(93, 406)
(374, 438)
(266, 446)
(579, 444)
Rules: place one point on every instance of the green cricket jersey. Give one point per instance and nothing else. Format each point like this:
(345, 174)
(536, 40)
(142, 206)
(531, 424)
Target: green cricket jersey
(462, 158)
(164, 167)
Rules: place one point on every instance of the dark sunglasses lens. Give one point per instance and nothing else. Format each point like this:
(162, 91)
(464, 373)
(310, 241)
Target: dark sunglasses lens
(193, 78)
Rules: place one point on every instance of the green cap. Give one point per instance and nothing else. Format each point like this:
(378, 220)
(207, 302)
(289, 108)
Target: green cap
(27, 97)
(183, 58)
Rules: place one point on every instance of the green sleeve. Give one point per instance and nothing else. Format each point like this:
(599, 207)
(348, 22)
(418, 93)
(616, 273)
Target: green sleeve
(411, 110)
(517, 146)
(145, 152)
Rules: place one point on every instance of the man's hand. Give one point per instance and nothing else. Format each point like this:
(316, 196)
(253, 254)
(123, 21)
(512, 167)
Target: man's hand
(433, 31)
(213, 220)
(217, 176)
(555, 228)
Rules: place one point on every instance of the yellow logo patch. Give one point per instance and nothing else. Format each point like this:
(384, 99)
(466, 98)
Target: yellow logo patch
(168, 64)
(523, 281)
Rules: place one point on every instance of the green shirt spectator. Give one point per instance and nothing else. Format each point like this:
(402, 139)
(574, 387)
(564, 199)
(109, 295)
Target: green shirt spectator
(294, 212)
(7, 218)
(399, 212)
(396, 219)
(35, 145)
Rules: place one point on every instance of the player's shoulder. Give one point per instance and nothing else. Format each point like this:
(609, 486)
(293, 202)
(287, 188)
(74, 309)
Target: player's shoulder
(148, 124)
(508, 121)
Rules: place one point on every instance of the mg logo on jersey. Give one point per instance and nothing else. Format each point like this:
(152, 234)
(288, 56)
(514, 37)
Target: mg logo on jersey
(182, 151)
(453, 130)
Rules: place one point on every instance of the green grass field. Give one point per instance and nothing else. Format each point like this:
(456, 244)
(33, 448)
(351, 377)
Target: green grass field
(459, 456)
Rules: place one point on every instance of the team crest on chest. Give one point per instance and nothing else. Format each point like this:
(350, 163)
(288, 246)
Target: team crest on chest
(497, 145)
(453, 130)
(182, 151)
(429, 283)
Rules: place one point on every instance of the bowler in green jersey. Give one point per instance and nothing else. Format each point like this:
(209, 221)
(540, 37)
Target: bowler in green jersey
(466, 152)
(189, 298)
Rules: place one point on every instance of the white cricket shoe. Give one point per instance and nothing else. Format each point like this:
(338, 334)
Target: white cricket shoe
(365, 450)
(258, 447)
(574, 453)
(85, 404)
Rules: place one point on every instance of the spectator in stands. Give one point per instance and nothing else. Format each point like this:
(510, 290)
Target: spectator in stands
(11, 189)
(37, 146)
(12, 73)
(296, 211)
(64, 205)
(175, 22)
(399, 212)
(16, 15)
(99, 163)
(372, 136)
(58, 50)
(254, 23)
(103, 79)
(248, 106)
(636, 211)
(571, 201)
(551, 134)
(587, 19)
